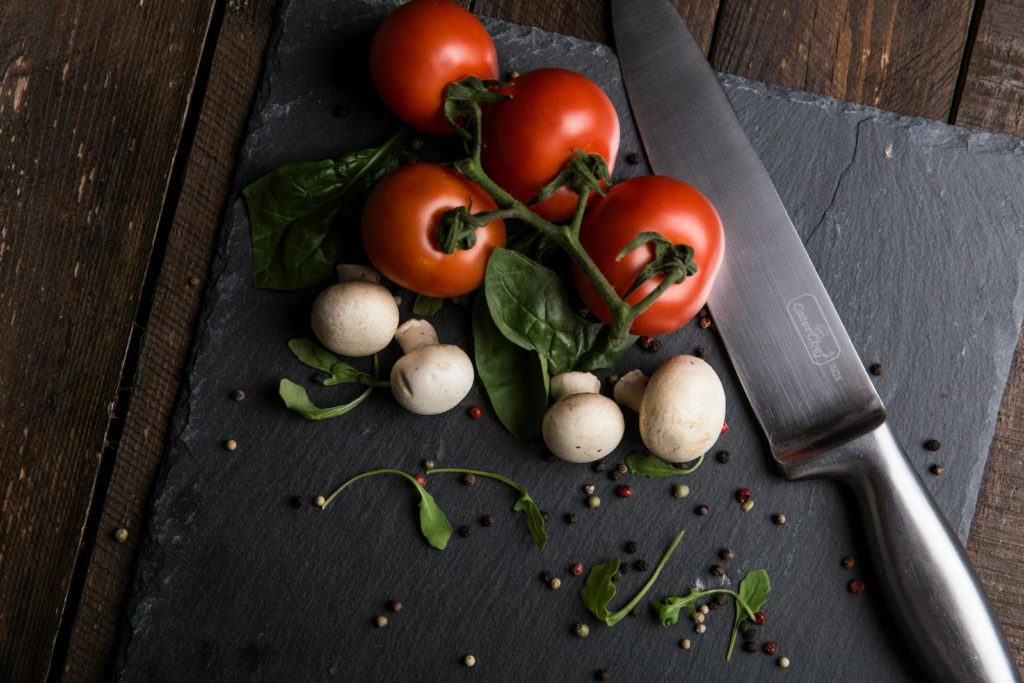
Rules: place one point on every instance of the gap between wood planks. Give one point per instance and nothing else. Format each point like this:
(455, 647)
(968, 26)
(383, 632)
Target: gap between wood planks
(965, 60)
(130, 365)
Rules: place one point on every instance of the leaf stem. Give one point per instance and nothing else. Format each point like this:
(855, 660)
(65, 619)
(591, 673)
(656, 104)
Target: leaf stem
(480, 473)
(371, 473)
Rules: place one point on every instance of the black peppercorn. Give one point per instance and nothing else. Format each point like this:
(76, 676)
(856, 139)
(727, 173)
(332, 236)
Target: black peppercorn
(701, 353)
(937, 469)
(603, 676)
(295, 502)
(571, 518)
(640, 565)
(599, 467)
(465, 531)
(849, 562)
(632, 547)
(469, 479)
(546, 515)
(876, 369)
(487, 520)
(727, 554)
(750, 646)
(547, 576)
(633, 158)
(717, 570)
(238, 395)
(722, 456)
(635, 612)
(770, 648)
(621, 468)
(749, 632)
(719, 599)
(932, 444)
(395, 606)
(617, 576)
(702, 510)
(614, 475)
(623, 569)
(318, 378)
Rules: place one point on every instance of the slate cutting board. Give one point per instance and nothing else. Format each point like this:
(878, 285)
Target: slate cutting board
(916, 228)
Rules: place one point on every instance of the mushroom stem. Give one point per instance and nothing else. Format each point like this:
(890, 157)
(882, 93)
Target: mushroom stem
(350, 272)
(568, 383)
(629, 390)
(415, 334)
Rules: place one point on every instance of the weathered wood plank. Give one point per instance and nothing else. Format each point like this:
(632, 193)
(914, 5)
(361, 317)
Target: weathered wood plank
(234, 76)
(589, 19)
(92, 97)
(993, 93)
(902, 55)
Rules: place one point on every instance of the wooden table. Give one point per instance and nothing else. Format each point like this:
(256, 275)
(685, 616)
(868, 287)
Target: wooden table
(119, 126)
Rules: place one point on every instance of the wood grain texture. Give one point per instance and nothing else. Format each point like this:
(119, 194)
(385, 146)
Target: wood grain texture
(589, 19)
(233, 79)
(993, 94)
(92, 97)
(902, 55)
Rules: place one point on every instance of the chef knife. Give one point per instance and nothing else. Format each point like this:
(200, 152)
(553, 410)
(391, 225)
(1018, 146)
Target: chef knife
(796, 363)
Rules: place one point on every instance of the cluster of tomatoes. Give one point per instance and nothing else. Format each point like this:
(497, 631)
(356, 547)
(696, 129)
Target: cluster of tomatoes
(527, 138)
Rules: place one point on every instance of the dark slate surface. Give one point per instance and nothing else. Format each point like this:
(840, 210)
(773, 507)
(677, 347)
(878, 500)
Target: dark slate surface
(916, 229)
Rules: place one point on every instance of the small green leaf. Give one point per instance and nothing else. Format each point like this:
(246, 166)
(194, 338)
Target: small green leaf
(311, 354)
(753, 593)
(669, 608)
(598, 590)
(652, 467)
(516, 379)
(426, 306)
(534, 519)
(296, 398)
(433, 524)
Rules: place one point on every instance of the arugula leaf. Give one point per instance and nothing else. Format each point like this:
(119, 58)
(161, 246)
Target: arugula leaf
(516, 379)
(653, 467)
(425, 306)
(530, 305)
(598, 590)
(295, 211)
(296, 398)
(434, 525)
(753, 594)
(340, 372)
(534, 517)
(669, 608)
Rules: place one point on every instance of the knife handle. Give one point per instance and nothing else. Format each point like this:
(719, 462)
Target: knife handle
(921, 566)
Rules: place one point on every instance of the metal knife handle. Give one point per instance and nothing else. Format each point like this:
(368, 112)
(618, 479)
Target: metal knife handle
(921, 565)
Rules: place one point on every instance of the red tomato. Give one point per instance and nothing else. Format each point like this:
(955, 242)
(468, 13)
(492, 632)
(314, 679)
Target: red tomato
(529, 138)
(659, 204)
(418, 50)
(399, 224)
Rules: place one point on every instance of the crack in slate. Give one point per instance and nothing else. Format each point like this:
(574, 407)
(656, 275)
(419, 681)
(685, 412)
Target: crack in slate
(839, 180)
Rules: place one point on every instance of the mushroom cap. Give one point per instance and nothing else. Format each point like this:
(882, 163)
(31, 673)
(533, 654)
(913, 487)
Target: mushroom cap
(567, 383)
(432, 379)
(583, 427)
(355, 318)
(683, 409)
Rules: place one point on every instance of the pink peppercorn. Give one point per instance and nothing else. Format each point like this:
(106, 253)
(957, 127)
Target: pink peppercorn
(624, 491)
(760, 618)
(743, 495)
(577, 569)
(857, 586)
(421, 479)
(725, 427)
(476, 412)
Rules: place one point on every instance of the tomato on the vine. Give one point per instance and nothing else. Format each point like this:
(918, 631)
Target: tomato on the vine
(529, 138)
(400, 220)
(651, 204)
(418, 50)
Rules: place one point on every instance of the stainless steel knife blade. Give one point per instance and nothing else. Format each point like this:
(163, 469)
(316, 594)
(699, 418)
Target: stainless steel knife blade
(796, 363)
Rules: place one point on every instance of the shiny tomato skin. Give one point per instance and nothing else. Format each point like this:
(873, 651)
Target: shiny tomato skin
(419, 49)
(399, 223)
(645, 204)
(529, 138)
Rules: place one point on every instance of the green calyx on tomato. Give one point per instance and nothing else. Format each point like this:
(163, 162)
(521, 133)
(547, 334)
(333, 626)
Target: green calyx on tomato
(419, 49)
(400, 223)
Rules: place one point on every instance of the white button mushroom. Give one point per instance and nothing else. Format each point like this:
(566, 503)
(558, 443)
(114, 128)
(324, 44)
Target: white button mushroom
(682, 407)
(356, 317)
(430, 378)
(582, 425)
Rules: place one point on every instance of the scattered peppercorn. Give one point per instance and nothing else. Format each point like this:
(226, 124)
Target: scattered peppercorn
(719, 599)
(705, 323)
(770, 648)
(545, 514)
(778, 519)
(465, 531)
(295, 501)
(469, 660)
(937, 469)
(700, 628)
(725, 428)
(633, 158)
(857, 586)
(318, 378)
(512, 75)
(685, 644)
(703, 609)
(193, 281)
(650, 344)
(635, 612)
(582, 630)
(760, 618)
(231, 444)
(571, 518)
(121, 535)
(624, 491)
(748, 632)
(641, 565)
(783, 662)
(848, 562)
(576, 569)
(469, 479)
(743, 495)
(429, 465)
(603, 676)
(727, 554)
(632, 547)
(748, 506)
(476, 412)
(615, 475)
(548, 456)
(238, 395)
(395, 606)
(599, 467)
(717, 570)
(588, 489)
(701, 353)
(702, 510)
(722, 456)
(593, 502)
(421, 480)
(547, 576)
(932, 444)
(750, 646)
(876, 369)
(487, 520)
(621, 468)
(698, 618)
(624, 569)
(680, 490)
(617, 576)
(555, 583)
(320, 501)
(381, 621)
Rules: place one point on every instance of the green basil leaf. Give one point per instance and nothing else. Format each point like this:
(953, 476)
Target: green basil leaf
(653, 467)
(426, 306)
(753, 591)
(530, 305)
(433, 524)
(516, 379)
(295, 211)
(315, 356)
(296, 398)
(598, 590)
(534, 519)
